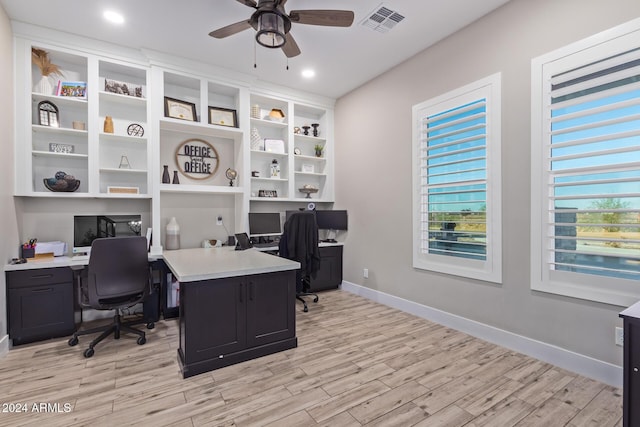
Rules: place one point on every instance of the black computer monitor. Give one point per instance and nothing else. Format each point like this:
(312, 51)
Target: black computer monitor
(332, 220)
(87, 228)
(264, 224)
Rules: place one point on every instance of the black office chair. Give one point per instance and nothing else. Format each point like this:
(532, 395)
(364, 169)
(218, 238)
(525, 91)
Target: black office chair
(299, 242)
(118, 276)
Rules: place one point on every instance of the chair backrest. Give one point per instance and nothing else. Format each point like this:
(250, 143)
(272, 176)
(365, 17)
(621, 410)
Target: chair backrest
(118, 272)
(299, 241)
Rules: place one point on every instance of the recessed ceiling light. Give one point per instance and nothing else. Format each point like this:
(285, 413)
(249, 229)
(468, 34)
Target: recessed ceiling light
(113, 17)
(308, 73)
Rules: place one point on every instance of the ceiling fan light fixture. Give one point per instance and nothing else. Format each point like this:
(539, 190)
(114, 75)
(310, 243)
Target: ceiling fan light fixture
(271, 30)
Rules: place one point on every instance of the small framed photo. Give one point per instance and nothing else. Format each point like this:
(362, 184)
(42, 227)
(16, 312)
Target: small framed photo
(178, 109)
(308, 168)
(223, 117)
(73, 89)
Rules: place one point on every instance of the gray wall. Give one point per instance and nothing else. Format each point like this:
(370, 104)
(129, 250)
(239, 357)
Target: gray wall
(8, 230)
(373, 172)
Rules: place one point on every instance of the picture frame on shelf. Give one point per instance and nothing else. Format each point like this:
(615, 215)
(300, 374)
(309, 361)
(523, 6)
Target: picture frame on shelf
(274, 146)
(54, 147)
(72, 89)
(178, 109)
(268, 193)
(122, 190)
(223, 117)
(308, 168)
(122, 88)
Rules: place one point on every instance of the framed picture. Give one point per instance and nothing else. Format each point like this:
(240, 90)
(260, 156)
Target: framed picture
(223, 117)
(177, 109)
(274, 145)
(73, 89)
(308, 168)
(122, 88)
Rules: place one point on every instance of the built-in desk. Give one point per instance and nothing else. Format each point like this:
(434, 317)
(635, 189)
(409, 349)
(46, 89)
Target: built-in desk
(42, 300)
(234, 306)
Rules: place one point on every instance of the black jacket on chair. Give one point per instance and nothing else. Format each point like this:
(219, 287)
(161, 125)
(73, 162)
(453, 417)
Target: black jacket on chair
(299, 242)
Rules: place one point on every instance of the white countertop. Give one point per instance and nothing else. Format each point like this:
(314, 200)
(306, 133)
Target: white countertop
(59, 261)
(190, 265)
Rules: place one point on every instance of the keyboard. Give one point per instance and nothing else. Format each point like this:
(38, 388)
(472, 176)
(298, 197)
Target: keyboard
(266, 245)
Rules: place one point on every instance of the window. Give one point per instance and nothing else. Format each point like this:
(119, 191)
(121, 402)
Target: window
(456, 172)
(586, 169)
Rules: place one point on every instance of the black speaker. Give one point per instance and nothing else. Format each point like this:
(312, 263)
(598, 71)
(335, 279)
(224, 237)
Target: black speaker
(231, 241)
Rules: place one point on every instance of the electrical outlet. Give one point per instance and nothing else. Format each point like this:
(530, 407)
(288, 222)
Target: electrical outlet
(219, 220)
(619, 336)
(365, 273)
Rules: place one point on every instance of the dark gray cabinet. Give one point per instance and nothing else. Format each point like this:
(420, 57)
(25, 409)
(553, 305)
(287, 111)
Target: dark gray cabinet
(40, 304)
(330, 274)
(631, 386)
(231, 320)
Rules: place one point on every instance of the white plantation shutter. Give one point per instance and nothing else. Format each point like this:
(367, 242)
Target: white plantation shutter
(457, 182)
(586, 150)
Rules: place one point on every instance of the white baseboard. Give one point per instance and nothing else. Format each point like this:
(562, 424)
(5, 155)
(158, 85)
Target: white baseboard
(583, 365)
(4, 346)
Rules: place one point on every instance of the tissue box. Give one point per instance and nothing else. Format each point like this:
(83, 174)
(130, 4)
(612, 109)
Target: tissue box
(55, 248)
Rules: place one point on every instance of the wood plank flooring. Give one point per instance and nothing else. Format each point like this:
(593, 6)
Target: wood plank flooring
(358, 363)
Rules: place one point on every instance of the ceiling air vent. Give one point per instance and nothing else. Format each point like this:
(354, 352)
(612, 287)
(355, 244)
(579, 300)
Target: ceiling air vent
(382, 19)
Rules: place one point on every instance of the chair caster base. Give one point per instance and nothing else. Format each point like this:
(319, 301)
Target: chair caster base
(88, 352)
(72, 341)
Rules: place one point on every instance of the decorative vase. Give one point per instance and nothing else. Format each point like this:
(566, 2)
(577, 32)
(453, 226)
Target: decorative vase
(256, 140)
(44, 86)
(108, 124)
(306, 129)
(175, 178)
(255, 111)
(172, 241)
(315, 128)
(166, 179)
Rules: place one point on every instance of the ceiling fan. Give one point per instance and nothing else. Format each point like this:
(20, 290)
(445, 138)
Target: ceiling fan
(273, 24)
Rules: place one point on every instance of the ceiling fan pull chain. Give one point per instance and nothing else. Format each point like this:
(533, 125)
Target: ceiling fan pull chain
(287, 63)
(255, 62)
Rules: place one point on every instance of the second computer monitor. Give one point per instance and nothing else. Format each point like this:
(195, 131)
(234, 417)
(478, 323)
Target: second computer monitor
(331, 219)
(264, 224)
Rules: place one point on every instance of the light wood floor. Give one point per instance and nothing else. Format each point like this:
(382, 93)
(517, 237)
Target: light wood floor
(357, 363)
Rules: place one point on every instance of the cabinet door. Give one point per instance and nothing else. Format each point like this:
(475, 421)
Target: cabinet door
(632, 371)
(40, 312)
(330, 274)
(215, 310)
(271, 307)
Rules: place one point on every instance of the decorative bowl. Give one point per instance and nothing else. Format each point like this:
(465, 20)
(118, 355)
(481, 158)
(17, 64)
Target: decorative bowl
(61, 185)
(308, 190)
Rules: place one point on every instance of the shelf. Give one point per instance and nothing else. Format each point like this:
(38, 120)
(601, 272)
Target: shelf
(270, 123)
(323, 175)
(123, 170)
(58, 130)
(197, 128)
(312, 158)
(204, 189)
(310, 138)
(269, 153)
(269, 179)
(59, 155)
(123, 99)
(59, 100)
(127, 138)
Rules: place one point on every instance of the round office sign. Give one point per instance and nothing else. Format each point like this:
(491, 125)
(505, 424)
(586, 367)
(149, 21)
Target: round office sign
(197, 159)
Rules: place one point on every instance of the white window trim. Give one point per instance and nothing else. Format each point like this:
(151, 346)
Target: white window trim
(491, 269)
(621, 292)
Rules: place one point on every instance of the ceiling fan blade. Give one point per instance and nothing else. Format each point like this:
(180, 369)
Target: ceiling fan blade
(290, 47)
(250, 3)
(230, 30)
(331, 18)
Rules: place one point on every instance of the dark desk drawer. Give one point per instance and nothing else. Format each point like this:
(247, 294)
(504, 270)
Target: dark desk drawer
(37, 277)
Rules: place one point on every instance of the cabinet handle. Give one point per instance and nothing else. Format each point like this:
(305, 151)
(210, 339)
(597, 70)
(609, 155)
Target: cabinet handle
(241, 290)
(635, 369)
(42, 276)
(42, 290)
(250, 291)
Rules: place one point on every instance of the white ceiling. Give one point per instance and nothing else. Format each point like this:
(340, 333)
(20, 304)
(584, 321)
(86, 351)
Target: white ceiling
(343, 58)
